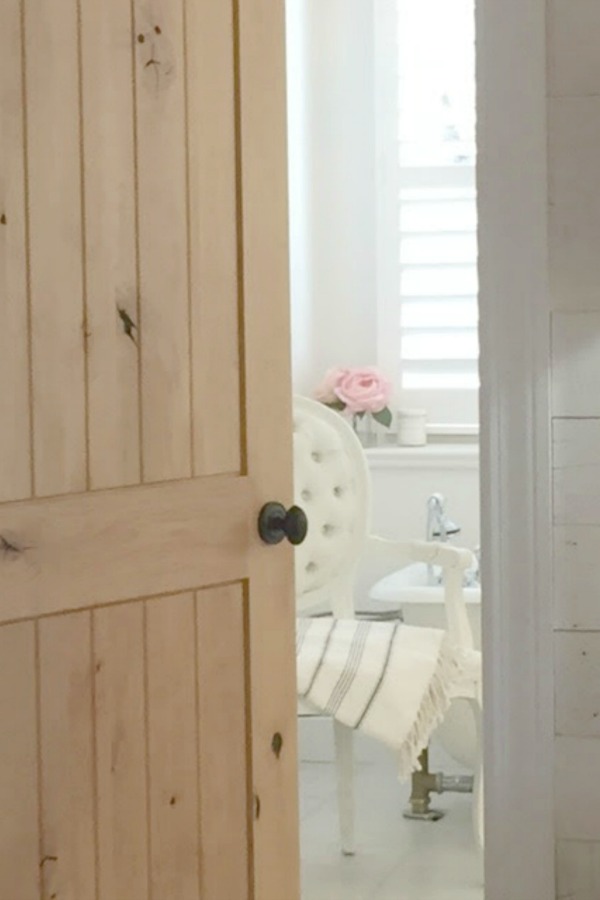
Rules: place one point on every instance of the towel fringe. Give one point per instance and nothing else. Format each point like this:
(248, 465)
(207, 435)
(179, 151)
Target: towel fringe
(449, 670)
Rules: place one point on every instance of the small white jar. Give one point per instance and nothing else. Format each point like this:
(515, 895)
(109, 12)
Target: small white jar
(411, 427)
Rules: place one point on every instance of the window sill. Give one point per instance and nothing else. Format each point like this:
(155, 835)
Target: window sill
(431, 456)
(450, 431)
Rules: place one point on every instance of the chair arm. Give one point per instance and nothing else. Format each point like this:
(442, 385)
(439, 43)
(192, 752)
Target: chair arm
(453, 562)
(402, 553)
(438, 554)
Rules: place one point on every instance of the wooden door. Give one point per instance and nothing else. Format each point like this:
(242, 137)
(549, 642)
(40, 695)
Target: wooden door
(147, 714)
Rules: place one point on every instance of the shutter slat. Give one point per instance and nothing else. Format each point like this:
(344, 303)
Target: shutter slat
(443, 312)
(439, 281)
(439, 345)
(444, 249)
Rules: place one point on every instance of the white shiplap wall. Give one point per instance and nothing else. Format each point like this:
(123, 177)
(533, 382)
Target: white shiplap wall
(574, 239)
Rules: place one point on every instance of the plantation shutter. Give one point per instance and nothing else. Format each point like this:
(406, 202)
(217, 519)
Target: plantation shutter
(430, 332)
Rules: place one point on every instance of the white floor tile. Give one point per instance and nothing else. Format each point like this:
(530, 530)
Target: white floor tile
(396, 859)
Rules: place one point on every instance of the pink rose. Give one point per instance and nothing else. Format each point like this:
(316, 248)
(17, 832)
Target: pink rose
(363, 390)
(326, 391)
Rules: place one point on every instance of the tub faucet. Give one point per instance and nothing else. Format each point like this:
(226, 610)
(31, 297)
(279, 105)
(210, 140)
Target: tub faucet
(439, 526)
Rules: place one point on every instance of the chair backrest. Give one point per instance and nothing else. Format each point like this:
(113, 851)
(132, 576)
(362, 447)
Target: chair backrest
(331, 481)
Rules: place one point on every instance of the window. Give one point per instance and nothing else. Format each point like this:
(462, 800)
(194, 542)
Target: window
(427, 218)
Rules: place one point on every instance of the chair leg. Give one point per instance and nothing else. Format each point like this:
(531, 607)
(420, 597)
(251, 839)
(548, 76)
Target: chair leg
(344, 767)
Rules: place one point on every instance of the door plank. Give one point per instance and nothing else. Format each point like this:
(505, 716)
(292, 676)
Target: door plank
(67, 757)
(121, 753)
(213, 236)
(172, 747)
(56, 246)
(15, 450)
(19, 832)
(271, 600)
(111, 252)
(224, 788)
(163, 239)
(110, 546)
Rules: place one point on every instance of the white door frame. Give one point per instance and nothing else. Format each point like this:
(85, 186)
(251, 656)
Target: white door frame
(515, 454)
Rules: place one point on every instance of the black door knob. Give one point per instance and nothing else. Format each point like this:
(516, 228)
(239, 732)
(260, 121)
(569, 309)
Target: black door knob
(275, 523)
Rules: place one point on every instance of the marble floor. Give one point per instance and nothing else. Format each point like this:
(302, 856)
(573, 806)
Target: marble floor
(396, 859)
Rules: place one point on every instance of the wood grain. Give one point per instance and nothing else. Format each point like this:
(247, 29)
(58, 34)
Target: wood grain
(67, 755)
(163, 240)
(56, 246)
(112, 288)
(172, 747)
(267, 400)
(224, 786)
(19, 833)
(213, 237)
(153, 167)
(15, 450)
(121, 753)
(111, 546)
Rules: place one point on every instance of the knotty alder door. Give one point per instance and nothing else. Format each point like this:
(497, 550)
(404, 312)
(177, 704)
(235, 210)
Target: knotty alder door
(147, 699)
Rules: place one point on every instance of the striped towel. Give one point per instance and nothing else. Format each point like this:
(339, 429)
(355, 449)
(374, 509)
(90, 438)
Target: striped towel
(390, 680)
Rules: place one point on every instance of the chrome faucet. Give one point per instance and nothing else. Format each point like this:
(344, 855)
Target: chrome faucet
(439, 526)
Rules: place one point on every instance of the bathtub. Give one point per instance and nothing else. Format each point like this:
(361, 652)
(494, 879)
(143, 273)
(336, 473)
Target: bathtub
(423, 604)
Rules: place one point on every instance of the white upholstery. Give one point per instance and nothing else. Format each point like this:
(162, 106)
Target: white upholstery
(332, 486)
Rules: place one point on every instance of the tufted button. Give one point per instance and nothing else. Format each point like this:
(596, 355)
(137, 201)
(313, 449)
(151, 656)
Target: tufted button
(311, 567)
(328, 530)
(338, 491)
(306, 495)
(316, 456)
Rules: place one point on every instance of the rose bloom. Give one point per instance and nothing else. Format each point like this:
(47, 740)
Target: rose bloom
(326, 393)
(363, 390)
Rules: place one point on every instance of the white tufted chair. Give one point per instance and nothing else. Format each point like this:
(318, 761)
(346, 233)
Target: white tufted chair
(332, 486)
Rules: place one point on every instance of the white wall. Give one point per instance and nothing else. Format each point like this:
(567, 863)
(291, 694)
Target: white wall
(402, 482)
(574, 235)
(332, 186)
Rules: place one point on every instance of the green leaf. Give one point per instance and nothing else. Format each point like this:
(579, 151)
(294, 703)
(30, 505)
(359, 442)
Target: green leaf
(384, 417)
(337, 405)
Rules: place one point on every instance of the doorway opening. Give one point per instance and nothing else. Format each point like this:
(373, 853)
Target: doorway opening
(383, 225)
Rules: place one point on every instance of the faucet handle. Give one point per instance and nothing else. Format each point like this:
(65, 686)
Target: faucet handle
(450, 528)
